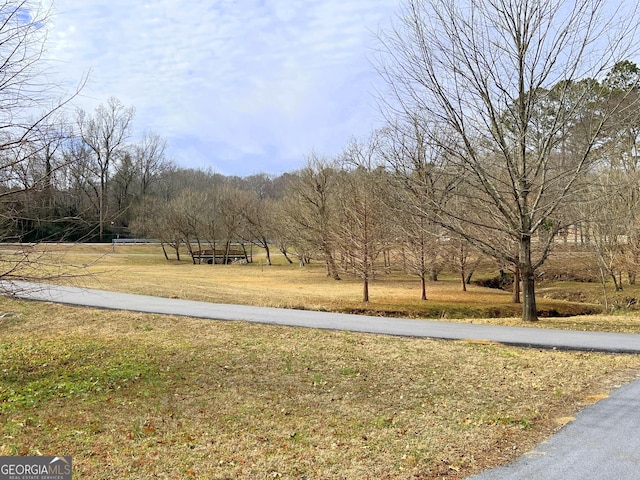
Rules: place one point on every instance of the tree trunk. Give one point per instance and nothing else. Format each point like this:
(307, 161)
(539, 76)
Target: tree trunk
(365, 290)
(199, 252)
(433, 274)
(332, 270)
(286, 255)
(515, 298)
(469, 275)
(246, 255)
(603, 281)
(632, 277)
(462, 280)
(267, 251)
(386, 260)
(190, 250)
(423, 283)
(617, 284)
(529, 308)
(101, 213)
(164, 250)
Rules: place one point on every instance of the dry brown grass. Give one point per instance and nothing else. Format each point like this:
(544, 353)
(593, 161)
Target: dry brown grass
(143, 269)
(140, 396)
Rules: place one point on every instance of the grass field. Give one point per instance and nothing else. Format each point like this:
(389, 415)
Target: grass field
(140, 396)
(146, 396)
(143, 269)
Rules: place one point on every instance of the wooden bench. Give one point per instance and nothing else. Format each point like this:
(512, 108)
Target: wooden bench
(219, 255)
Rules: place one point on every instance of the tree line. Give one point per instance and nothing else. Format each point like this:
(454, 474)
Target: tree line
(80, 179)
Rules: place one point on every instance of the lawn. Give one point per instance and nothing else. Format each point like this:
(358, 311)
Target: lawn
(133, 395)
(143, 269)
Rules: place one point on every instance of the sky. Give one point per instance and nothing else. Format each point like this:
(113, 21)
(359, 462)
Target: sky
(238, 86)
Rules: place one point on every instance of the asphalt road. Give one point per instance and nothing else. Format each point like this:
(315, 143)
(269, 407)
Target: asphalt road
(523, 336)
(603, 443)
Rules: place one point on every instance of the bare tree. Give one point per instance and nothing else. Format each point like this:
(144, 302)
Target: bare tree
(284, 235)
(418, 242)
(231, 219)
(256, 220)
(123, 182)
(463, 258)
(186, 214)
(418, 184)
(485, 73)
(363, 227)
(311, 208)
(160, 220)
(150, 160)
(105, 133)
(619, 177)
(81, 180)
(30, 111)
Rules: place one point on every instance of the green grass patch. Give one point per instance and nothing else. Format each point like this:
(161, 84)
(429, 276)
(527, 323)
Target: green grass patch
(39, 370)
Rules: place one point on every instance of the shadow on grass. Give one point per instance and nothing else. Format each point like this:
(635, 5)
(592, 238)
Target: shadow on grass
(439, 311)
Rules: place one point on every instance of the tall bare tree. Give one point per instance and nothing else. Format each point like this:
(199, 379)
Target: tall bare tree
(363, 227)
(105, 133)
(619, 176)
(419, 183)
(150, 159)
(30, 111)
(498, 85)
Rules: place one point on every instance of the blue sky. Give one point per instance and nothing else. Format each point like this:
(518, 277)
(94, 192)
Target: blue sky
(241, 86)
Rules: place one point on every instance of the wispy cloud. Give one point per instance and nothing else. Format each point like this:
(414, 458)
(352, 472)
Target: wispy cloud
(241, 86)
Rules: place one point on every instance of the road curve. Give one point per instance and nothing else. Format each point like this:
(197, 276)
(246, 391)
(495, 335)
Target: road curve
(522, 336)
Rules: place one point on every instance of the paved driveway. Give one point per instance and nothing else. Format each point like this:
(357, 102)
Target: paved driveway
(602, 443)
(535, 337)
